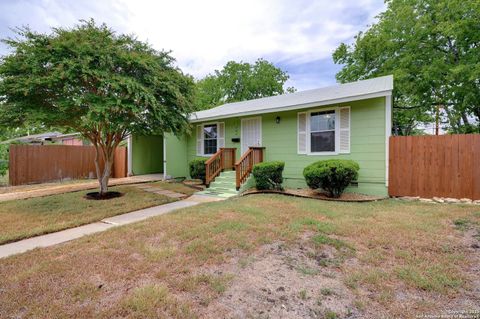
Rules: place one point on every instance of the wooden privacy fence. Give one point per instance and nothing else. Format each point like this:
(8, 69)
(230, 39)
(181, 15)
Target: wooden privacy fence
(37, 164)
(429, 166)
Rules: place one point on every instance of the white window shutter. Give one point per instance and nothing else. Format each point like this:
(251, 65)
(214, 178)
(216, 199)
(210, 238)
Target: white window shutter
(199, 140)
(302, 133)
(221, 135)
(345, 129)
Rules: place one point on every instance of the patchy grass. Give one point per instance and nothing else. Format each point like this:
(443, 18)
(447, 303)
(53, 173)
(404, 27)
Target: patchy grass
(327, 291)
(36, 216)
(153, 301)
(398, 258)
(175, 187)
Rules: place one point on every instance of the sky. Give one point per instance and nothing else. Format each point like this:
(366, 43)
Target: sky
(299, 36)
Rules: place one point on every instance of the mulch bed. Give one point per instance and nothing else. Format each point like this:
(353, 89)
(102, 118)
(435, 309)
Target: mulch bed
(309, 193)
(107, 195)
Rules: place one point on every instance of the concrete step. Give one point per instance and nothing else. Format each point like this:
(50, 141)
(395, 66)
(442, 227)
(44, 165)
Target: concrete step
(223, 186)
(225, 178)
(216, 194)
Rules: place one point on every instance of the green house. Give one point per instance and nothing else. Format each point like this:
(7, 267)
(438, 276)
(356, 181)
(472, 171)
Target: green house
(345, 121)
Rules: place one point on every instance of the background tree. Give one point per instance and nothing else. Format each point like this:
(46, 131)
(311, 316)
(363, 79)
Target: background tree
(96, 82)
(239, 82)
(432, 47)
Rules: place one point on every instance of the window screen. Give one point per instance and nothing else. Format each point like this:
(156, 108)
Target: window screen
(322, 131)
(210, 139)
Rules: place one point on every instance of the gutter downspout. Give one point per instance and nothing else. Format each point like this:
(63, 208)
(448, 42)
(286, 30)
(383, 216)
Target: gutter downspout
(130, 156)
(164, 157)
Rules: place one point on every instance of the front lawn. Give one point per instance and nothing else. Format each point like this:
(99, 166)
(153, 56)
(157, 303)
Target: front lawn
(21, 219)
(175, 187)
(259, 256)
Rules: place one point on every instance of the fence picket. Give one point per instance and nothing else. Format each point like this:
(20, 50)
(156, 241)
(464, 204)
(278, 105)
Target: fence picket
(428, 166)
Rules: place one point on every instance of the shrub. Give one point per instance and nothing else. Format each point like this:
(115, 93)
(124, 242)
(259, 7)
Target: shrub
(3, 167)
(331, 175)
(268, 175)
(197, 168)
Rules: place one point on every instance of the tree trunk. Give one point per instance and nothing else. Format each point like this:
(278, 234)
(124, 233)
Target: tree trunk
(106, 175)
(97, 169)
(103, 176)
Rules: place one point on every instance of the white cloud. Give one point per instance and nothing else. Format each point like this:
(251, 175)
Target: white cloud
(204, 35)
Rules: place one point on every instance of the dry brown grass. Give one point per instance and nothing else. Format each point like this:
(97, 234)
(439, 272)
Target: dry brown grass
(21, 219)
(175, 187)
(399, 258)
(4, 188)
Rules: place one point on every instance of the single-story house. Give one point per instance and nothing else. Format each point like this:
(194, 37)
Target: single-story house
(345, 121)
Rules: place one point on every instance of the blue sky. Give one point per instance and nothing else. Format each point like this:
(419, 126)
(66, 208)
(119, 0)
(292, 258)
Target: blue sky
(298, 36)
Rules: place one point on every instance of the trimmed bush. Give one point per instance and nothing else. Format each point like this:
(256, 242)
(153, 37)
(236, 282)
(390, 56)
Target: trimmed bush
(268, 175)
(332, 176)
(197, 168)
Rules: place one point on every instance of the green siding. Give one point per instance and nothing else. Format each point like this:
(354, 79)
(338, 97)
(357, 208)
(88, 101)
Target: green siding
(367, 145)
(147, 154)
(177, 160)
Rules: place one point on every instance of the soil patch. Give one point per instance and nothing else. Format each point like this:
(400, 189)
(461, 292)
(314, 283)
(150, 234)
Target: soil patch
(310, 193)
(284, 282)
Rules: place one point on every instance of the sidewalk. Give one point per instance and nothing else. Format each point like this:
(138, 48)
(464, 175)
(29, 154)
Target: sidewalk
(77, 232)
(52, 189)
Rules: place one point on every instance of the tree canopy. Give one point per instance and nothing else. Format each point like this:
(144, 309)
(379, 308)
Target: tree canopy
(432, 47)
(240, 81)
(94, 81)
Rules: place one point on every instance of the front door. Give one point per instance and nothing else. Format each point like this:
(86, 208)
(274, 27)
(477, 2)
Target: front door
(251, 133)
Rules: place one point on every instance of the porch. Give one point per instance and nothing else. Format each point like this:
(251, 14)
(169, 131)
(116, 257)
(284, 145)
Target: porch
(224, 175)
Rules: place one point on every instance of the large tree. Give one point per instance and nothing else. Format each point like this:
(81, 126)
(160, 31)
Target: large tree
(432, 47)
(240, 81)
(97, 82)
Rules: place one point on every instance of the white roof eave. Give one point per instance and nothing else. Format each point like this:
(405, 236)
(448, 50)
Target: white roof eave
(296, 106)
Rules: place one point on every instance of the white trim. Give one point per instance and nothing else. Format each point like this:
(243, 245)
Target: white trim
(337, 132)
(202, 154)
(349, 129)
(304, 132)
(241, 131)
(296, 106)
(388, 133)
(164, 157)
(129, 156)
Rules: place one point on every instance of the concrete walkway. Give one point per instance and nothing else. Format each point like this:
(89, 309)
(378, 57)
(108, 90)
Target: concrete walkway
(77, 232)
(160, 191)
(39, 190)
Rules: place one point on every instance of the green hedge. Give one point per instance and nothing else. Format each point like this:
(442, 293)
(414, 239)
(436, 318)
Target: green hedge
(3, 167)
(331, 175)
(268, 175)
(197, 168)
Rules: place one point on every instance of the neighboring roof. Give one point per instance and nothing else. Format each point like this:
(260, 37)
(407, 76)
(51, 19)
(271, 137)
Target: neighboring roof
(340, 93)
(40, 137)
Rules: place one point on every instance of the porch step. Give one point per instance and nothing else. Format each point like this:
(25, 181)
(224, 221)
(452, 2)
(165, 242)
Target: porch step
(223, 186)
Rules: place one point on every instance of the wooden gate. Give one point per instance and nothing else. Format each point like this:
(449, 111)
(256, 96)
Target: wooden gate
(428, 166)
(45, 163)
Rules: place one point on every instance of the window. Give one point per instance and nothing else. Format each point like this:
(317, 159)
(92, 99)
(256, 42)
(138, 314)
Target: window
(210, 139)
(322, 131)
